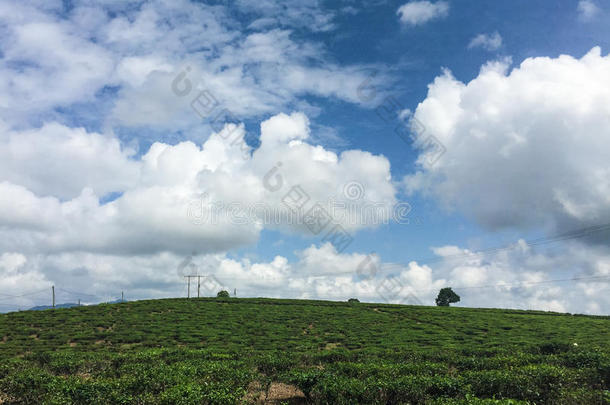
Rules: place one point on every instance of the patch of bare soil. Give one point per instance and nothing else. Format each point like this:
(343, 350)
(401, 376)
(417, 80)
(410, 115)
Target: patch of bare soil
(282, 393)
(255, 394)
(105, 329)
(278, 393)
(84, 376)
(4, 398)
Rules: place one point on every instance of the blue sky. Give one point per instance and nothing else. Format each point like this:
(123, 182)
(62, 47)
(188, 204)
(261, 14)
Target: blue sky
(105, 165)
(414, 56)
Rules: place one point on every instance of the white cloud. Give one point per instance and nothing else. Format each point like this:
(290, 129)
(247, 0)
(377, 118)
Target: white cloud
(259, 75)
(227, 194)
(587, 10)
(419, 12)
(489, 42)
(123, 57)
(56, 160)
(45, 65)
(524, 149)
(307, 14)
(16, 277)
(520, 277)
(512, 278)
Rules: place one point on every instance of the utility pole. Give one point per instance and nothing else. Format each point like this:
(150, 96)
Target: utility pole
(235, 292)
(53, 291)
(122, 297)
(189, 284)
(79, 302)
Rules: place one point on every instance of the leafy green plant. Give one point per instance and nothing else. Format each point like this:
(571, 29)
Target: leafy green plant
(223, 294)
(446, 296)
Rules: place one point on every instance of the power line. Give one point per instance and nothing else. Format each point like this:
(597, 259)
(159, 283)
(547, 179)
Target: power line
(9, 297)
(533, 242)
(533, 282)
(78, 294)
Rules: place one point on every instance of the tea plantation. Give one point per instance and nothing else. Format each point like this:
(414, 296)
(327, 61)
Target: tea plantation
(239, 351)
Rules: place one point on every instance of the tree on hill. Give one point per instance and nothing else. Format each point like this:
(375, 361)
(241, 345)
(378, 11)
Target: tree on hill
(223, 294)
(353, 300)
(446, 296)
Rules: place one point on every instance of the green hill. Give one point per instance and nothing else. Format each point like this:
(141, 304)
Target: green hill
(223, 351)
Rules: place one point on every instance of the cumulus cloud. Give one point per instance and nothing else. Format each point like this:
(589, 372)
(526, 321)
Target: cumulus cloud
(524, 148)
(17, 276)
(587, 10)
(55, 160)
(420, 12)
(182, 197)
(518, 277)
(489, 42)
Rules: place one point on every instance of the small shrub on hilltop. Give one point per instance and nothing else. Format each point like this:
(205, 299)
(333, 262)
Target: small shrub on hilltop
(223, 294)
(446, 296)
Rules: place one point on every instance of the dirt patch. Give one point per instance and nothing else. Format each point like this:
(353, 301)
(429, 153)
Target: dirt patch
(282, 393)
(72, 344)
(105, 328)
(331, 346)
(306, 330)
(4, 398)
(277, 394)
(99, 342)
(26, 353)
(255, 394)
(34, 336)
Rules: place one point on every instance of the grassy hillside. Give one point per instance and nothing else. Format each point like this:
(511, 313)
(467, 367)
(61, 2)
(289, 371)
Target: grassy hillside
(179, 351)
